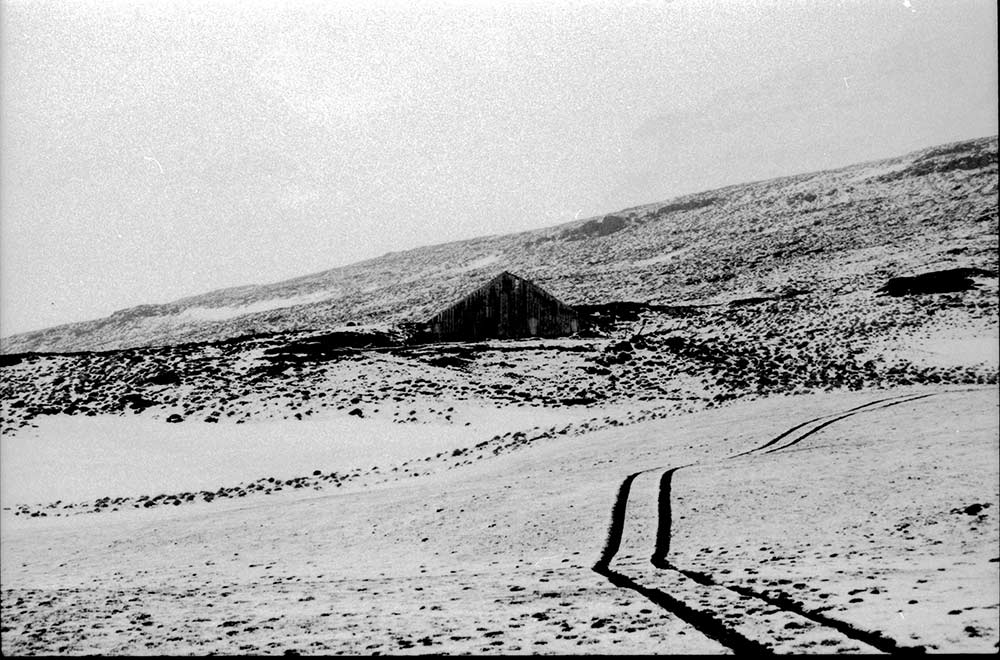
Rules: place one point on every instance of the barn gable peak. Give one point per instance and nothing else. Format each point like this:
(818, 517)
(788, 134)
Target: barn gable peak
(507, 305)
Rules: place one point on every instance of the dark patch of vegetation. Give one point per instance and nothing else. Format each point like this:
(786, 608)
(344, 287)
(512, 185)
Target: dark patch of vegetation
(465, 352)
(596, 228)
(687, 205)
(615, 311)
(11, 360)
(932, 163)
(136, 402)
(938, 281)
(448, 361)
(801, 197)
(329, 346)
(791, 293)
(603, 317)
(164, 377)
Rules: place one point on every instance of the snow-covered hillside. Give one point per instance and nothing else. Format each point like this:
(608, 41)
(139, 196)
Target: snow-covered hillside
(837, 231)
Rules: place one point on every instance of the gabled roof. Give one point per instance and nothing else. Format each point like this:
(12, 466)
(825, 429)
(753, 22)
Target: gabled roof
(488, 283)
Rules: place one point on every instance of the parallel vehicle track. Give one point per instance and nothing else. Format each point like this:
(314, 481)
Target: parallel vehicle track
(739, 617)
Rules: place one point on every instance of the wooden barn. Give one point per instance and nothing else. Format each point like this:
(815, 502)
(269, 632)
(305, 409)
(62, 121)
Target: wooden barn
(507, 306)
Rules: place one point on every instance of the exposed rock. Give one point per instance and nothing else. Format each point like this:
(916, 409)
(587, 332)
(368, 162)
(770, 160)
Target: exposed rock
(597, 228)
(938, 281)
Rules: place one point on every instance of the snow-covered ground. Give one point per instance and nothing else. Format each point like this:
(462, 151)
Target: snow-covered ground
(75, 458)
(497, 556)
(232, 311)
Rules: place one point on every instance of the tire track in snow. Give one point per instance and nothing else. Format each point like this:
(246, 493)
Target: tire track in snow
(795, 428)
(708, 625)
(711, 626)
(875, 639)
(837, 419)
(664, 520)
(613, 541)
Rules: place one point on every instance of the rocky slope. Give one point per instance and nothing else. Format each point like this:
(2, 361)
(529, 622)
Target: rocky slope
(640, 361)
(840, 231)
(798, 296)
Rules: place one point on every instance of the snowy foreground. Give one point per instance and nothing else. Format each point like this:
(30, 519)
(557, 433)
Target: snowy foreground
(851, 521)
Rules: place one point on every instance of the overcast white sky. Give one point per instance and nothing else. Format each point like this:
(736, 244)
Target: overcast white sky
(152, 150)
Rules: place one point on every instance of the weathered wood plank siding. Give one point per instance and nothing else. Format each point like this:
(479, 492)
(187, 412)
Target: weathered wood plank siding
(506, 306)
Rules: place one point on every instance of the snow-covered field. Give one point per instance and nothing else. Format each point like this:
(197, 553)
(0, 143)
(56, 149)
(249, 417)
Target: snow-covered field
(79, 458)
(876, 529)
